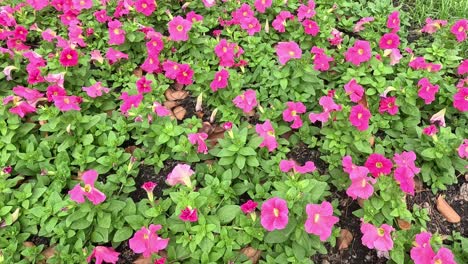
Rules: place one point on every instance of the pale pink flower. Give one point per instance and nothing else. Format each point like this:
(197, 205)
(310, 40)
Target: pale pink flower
(337, 37)
(79, 193)
(287, 165)
(180, 174)
(291, 113)
(360, 24)
(96, 90)
(463, 149)
(199, 139)
(246, 101)
(439, 118)
(288, 50)
(433, 25)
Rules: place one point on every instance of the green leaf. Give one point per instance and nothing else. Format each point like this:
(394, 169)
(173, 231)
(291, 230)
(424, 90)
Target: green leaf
(246, 151)
(280, 236)
(240, 162)
(227, 213)
(122, 234)
(429, 153)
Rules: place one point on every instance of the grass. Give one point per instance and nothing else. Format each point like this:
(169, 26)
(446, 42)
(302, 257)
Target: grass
(436, 9)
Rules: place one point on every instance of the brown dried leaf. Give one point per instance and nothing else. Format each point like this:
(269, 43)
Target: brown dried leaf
(138, 72)
(178, 86)
(143, 260)
(48, 252)
(360, 202)
(363, 101)
(404, 225)
(172, 95)
(345, 239)
(372, 141)
(130, 149)
(170, 104)
(179, 112)
(28, 244)
(252, 254)
(206, 128)
(447, 211)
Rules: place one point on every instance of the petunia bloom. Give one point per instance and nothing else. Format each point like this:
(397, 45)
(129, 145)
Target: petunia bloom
(220, 80)
(328, 106)
(199, 139)
(306, 11)
(287, 165)
(143, 85)
(405, 170)
(248, 207)
(463, 149)
(149, 187)
(359, 53)
(460, 99)
(79, 193)
(320, 220)
(422, 252)
(430, 130)
(387, 104)
(66, 103)
(179, 28)
(337, 37)
(379, 238)
(463, 67)
(180, 174)
(146, 241)
(439, 118)
(246, 101)
(96, 90)
(427, 90)
(188, 214)
(378, 165)
(290, 114)
(444, 256)
(116, 33)
(146, 7)
(68, 57)
(354, 90)
(106, 254)
(310, 27)
(274, 214)
(359, 117)
(360, 24)
(321, 60)
(267, 132)
(279, 23)
(129, 101)
(433, 25)
(393, 21)
(459, 29)
(361, 185)
(262, 5)
(288, 50)
(389, 41)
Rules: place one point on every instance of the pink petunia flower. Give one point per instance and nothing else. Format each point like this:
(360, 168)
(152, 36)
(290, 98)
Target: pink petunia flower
(354, 90)
(68, 57)
(67, 103)
(388, 104)
(101, 16)
(279, 23)
(143, 85)
(116, 33)
(430, 130)
(287, 165)
(378, 165)
(274, 214)
(248, 207)
(149, 187)
(246, 101)
(179, 28)
(433, 25)
(360, 24)
(38, 4)
(262, 5)
(389, 41)
(444, 256)
(310, 27)
(199, 139)
(459, 29)
(439, 118)
(184, 74)
(220, 80)
(160, 110)
(361, 185)
(328, 106)
(320, 220)
(146, 241)
(422, 252)
(146, 7)
(290, 114)
(427, 90)
(106, 254)
(114, 55)
(359, 53)
(188, 214)
(171, 69)
(463, 149)
(96, 90)
(209, 3)
(267, 132)
(129, 101)
(337, 37)
(463, 67)
(288, 50)
(79, 193)
(393, 21)
(321, 60)
(406, 170)
(306, 11)
(151, 64)
(460, 99)
(359, 117)
(54, 90)
(193, 17)
(180, 174)
(82, 4)
(96, 56)
(347, 163)
(30, 95)
(22, 109)
(379, 238)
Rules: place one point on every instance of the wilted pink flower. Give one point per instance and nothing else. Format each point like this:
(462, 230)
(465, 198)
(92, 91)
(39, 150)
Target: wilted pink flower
(68, 57)
(359, 117)
(287, 165)
(66, 103)
(389, 41)
(146, 7)
(463, 149)
(246, 101)
(79, 193)
(460, 99)
(129, 101)
(337, 37)
(106, 254)
(262, 5)
(116, 33)
(22, 108)
(354, 90)
(220, 80)
(290, 114)
(267, 132)
(439, 118)
(430, 130)
(405, 171)
(395, 55)
(96, 56)
(378, 165)
(347, 163)
(146, 241)
(180, 174)
(143, 85)
(288, 50)
(387, 104)
(188, 214)
(7, 170)
(179, 28)
(310, 27)
(359, 53)
(279, 23)
(433, 25)
(360, 24)
(96, 90)
(463, 67)
(361, 185)
(320, 220)
(248, 207)
(427, 90)
(114, 55)
(274, 214)
(379, 238)
(160, 110)
(30, 95)
(321, 60)
(422, 252)
(393, 21)
(444, 256)
(459, 29)
(227, 126)
(199, 139)
(306, 11)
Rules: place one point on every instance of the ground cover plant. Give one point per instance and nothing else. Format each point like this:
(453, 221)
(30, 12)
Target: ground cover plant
(266, 131)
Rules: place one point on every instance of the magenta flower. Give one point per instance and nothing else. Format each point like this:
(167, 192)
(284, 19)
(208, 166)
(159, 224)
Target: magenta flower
(387, 104)
(306, 11)
(328, 106)
(149, 186)
(146, 241)
(393, 21)
(246, 101)
(288, 50)
(114, 55)
(22, 108)
(460, 99)
(179, 28)
(180, 174)
(82, 4)
(359, 53)
(79, 193)
(184, 74)
(337, 37)
(422, 252)
(143, 85)
(68, 57)
(220, 80)
(188, 214)
(248, 207)
(433, 25)
(267, 132)
(378, 165)
(54, 90)
(378, 238)
(320, 220)
(389, 41)
(287, 165)
(444, 256)
(155, 44)
(274, 214)
(427, 90)
(199, 139)
(146, 7)
(209, 3)
(348, 165)
(310, 27)
(101, 16)
(405, 171)
(67, 103)
(171, 69)
(106, 254)
(430, 130)
(360, 24)
(225, 52)
(129, 101)
(354, 90)
(290, 114)
(321, 60)
(459, 29)
(361, 185)
(463, 149)
(359, 117)
(160, 110)
(30, 95)
(251, 25)
(262, 5)
(96, 90)
(151, 64)
(279, 23)
(463, 67)
(116, 33)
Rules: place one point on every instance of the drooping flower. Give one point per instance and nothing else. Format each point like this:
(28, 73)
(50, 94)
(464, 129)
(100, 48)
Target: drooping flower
(406, 170)
(67, 103)
(31, 95)
(274, 214)
(143, 85)
(463, 67)
(310, 27)
(287, 165)
(79, 193)
(146, 241)
(359, 53)
(129, 101)
(444, 256)
(199, 139)
(463, 149)
(179, 28)
(114, 55)
(360, 24)
(379, 238)
(359, 117)
(149, 187)
(389, 41)
(427, 90)
(288, 50)
(106, 254)
(430, 130)
(188, 214)
(116, 33)
(96, 90)
(361, 185)
(395, 55)
(422, 252)
(290, 114)
(460, 99)
(393, 21)
(387, 104)
(433, 25)
(320, 220)
(220, 80)
(146, 7)
(267, 132)
(321, 60)
(246, 101)
(347, 163)
(248, 207)
(262, 5)
(354, 90)
(209, 3)
(160, 110)
(68, 57)
(439, 118)
(180, 174)
(378, 165)
(459, 29)
(306, 11)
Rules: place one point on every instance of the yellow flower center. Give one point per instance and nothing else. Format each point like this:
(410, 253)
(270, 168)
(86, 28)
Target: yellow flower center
(291, 53)
(151, 61)
(360, 51)
(185, 74)
(145, 236)
(180, 28)
(380, 231)
(316, 218)
(293, 113)
(363, 183)
(116, 31)
(82, 3)
(69, 57)
(67, 101)
(389, 42)
(87, 187)
(276, 212)
(224, 49)
(379, 164)
(359, 116)
(144, 5)
(271, 133)
(460, 29)
(439, 261)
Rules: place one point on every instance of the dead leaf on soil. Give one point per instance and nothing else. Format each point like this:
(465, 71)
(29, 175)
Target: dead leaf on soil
(48, 253)
(170, 104)
(251, 113)
(172, 95)
(345, 239)
(178, 86)
(360, 202)
(206, 128)
(372, 141)
(404, 225)
(143, 260)
(130, 149)
(252, 254)
(179, 112)
(447, 211)
(138, 72)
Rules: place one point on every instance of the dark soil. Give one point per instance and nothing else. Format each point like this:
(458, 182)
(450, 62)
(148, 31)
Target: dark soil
(40, 240)
(189, 104)
(301, 154)
(126, 254)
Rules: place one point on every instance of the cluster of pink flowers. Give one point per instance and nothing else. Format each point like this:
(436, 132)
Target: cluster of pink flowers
(420, 63)
(422, 252)
(227, 52)
(244, 16)
(182, 73)
(361, 185)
